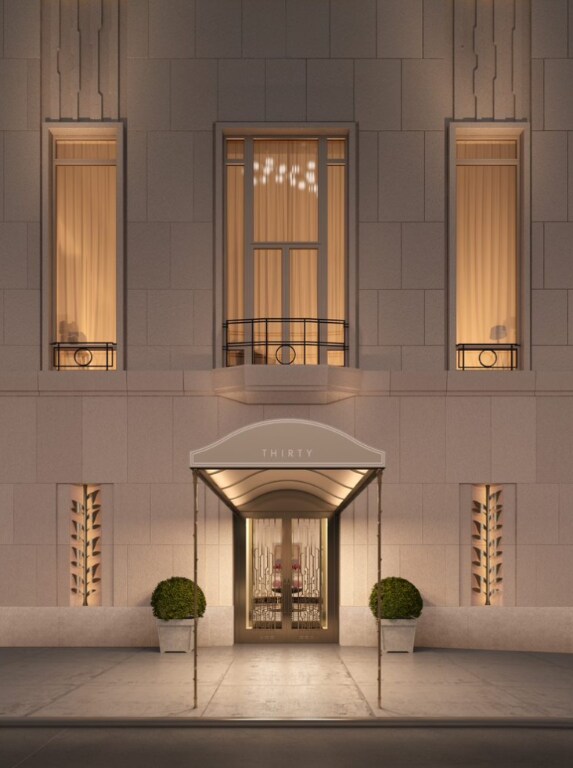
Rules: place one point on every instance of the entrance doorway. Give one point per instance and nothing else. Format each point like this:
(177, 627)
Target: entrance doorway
(286, 578)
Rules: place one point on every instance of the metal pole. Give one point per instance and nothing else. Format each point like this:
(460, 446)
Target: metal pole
(196, 589)
(378, 587)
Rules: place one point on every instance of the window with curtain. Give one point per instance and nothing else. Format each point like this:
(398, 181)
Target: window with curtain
(285, 250)
(487, 213)
(84, 236)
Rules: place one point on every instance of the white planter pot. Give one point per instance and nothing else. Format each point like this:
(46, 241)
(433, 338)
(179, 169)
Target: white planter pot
(398, 635)
(176, 636)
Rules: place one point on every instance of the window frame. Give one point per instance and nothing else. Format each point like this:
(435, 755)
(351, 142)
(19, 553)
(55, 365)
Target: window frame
(521, 132)
(286, 130)
(53, 131)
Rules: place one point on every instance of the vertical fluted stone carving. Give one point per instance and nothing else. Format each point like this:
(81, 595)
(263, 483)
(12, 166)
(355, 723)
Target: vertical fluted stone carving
(80, 59)
(491, 59)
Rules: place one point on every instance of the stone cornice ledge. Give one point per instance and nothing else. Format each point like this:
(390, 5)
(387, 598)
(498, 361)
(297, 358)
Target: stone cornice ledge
(295, 384)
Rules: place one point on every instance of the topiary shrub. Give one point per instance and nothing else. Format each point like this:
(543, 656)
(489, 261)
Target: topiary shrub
(174, 599)
(399, 599)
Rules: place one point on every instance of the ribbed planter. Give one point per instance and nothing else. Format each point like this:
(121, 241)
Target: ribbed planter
(175, 636)
(398, 635)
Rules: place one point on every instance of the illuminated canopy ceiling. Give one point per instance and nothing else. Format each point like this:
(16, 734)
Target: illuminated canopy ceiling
(273, 465)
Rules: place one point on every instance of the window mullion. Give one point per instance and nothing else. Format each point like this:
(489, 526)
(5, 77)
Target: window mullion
(249, 245)
(322, 299)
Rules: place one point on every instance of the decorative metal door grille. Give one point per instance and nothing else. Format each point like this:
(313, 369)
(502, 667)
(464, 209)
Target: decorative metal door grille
(287, 576)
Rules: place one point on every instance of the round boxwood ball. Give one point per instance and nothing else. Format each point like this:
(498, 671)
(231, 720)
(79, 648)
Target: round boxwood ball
(174, 599)
(399, 599)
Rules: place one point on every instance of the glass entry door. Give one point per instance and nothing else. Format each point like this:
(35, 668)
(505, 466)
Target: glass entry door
(285, 590)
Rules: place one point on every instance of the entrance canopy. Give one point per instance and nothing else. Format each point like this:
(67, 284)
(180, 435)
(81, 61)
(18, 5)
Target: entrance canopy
(267, 465)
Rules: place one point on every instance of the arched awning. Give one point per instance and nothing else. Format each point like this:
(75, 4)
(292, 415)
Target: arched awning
(266, 465)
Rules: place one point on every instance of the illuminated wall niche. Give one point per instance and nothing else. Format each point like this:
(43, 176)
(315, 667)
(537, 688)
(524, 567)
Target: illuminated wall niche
(85, 545)
(487, 554)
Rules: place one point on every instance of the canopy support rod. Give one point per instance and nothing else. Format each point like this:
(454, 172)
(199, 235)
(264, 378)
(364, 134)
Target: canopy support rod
(379, 587)
(196, 589)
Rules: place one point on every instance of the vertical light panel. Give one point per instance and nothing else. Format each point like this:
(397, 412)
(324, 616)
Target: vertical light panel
(487, 552)
(85, 545)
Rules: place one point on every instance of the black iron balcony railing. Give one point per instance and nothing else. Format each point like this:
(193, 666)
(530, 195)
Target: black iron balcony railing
(285, 341)
(501, 357)
(87, 355)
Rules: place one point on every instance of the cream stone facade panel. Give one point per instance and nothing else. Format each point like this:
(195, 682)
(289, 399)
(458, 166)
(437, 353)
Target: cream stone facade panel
(18, 574)
(549, 29)
(558, 80)
(423, 261)
(368, 176)
(132, 514)
(549, 317)
(402, 519)
(171, 514)
(422, 440)
(170, 176)
(13, 93)
(330, 89)
(218, 28)
(138, 29)
(554, 440)
(170, 317)
(241, 93)
(148, 94)
(401, 176)
(21, 163)
(171, 29)
(380, 255)
(549, 176)
(59, 434)
(285, 94)
(513, 435)
(136, 177)
(203, 176)
(136, 329)
(538, 518)
(13, 247)
(193, 94)
(263, 29)
(434, 322)
(368, 317)
(434, 175)
(424, 358)
(440, 513)
(22, 317)
(353, 29)
(558, 270)
(537, 255)
(6, 514)
(104, 430)
(566, 514)
(35, 514)
(150, 439)
(427, 94)
(378, 94)
(400, 29)
(401, 317)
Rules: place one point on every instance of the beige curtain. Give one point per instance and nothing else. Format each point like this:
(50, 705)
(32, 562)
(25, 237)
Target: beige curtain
(304, 303)
(486, 265)
(268, 299)
(86, 252)
(285, 177)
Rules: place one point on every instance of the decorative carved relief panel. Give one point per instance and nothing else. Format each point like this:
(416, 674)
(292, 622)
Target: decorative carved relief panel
(81, 59)
(491, 59)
